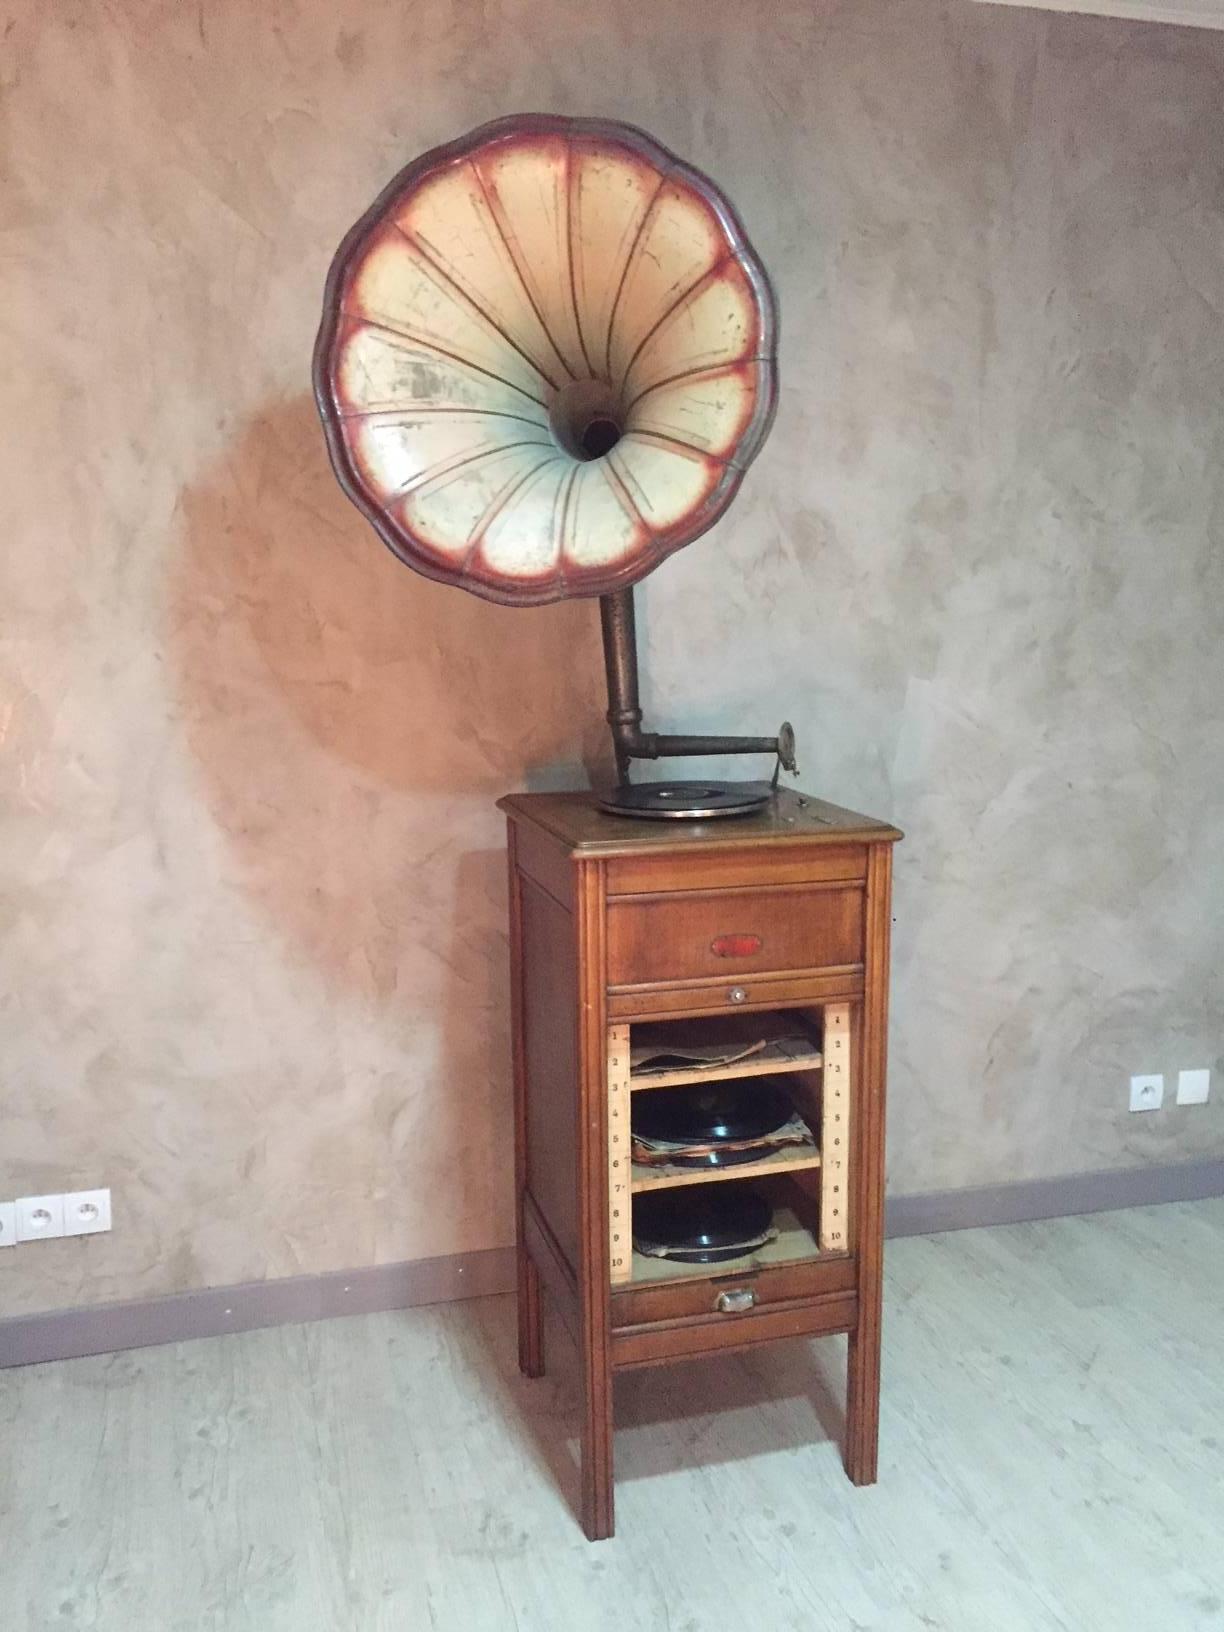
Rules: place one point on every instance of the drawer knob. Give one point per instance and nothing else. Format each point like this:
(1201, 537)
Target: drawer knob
(737, 994)
(737, 1301)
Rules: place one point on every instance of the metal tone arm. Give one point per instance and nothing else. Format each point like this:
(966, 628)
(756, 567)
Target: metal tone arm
(629, 741)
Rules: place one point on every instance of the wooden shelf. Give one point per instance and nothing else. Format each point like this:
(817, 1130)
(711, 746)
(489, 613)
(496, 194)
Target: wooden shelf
(788, 1054)
(787, 1159)
(794, 1242)
(766, 1064)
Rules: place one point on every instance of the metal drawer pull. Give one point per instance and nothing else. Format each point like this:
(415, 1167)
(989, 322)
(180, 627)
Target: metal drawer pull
(737, 1301)
(737, 994)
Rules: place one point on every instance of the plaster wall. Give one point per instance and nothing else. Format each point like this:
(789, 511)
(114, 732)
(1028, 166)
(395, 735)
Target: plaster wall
(252, 971)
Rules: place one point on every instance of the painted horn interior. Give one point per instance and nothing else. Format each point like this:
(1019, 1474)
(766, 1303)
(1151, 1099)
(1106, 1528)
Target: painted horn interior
(547, 356)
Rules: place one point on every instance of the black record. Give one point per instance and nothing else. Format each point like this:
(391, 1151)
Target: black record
(711, 1113)
(685, 801)
(701, 1224)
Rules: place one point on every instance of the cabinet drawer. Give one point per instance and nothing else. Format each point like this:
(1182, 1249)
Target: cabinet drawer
(709, 1334)
(721, 1292)
(697, 997)
(733, 935)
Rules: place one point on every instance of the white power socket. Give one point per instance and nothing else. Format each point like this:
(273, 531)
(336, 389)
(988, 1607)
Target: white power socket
(87, 1212)
(1193, 1087)
(1146, 1093)
(39, 1218)
(43, 1218)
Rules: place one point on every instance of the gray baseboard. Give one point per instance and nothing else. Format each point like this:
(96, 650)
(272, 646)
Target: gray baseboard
(69, 1333)
(1064, 1197)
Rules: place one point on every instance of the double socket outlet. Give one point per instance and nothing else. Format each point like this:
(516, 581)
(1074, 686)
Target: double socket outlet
(1147, 1093)
(42, 1218)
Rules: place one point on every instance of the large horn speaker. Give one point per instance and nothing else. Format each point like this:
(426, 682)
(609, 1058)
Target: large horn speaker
(547, 357)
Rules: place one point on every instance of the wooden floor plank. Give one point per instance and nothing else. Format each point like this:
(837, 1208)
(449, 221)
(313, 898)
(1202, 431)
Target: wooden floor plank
(1052, 1428)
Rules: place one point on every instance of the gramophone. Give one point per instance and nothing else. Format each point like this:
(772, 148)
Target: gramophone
(547, 357)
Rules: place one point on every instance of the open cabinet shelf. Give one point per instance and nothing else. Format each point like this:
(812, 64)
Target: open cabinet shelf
(787, 1159)
(789, 1045)
(822, 1098)
(794, 1242)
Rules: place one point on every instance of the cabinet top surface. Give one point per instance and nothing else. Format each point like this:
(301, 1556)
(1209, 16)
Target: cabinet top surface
(577, 820)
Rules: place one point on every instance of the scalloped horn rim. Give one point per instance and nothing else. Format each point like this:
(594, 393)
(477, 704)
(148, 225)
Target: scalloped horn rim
(546, 358)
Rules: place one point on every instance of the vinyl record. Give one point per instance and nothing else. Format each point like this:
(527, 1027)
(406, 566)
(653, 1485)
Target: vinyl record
(685, 801)
(709, 1156)
(707, 1113)
(703, 1224)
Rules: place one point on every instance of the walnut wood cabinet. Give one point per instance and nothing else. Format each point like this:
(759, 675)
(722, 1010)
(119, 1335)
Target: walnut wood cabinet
(616, 922)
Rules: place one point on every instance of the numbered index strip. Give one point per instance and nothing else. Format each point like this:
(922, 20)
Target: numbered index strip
(835, 1131)
(620, 1224)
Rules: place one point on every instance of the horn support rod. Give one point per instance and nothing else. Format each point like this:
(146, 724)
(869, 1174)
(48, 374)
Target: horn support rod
(629, 741)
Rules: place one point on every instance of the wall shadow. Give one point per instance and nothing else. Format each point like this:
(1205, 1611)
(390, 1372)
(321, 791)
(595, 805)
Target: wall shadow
(351, 724)
(338, 704)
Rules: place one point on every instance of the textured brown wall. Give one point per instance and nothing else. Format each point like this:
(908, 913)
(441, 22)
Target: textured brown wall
(253, 954)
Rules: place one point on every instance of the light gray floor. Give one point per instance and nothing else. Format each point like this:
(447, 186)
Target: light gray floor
(1052, 1427)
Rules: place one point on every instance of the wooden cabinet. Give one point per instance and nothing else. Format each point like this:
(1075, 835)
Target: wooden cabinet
(616, 923)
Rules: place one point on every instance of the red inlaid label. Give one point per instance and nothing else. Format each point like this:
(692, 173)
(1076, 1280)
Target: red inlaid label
(736, 946)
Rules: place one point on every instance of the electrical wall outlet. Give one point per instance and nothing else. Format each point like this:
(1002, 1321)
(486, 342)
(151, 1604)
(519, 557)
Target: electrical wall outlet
(1193, 1087)
(39, 1218)
(8, 1223)
(87, 1212)
(1146, 1093)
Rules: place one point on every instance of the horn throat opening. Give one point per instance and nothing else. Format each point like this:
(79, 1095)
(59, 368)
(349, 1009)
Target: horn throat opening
(585, 419)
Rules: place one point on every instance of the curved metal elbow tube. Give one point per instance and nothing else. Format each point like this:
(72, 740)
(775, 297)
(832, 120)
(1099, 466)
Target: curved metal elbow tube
(624, 716)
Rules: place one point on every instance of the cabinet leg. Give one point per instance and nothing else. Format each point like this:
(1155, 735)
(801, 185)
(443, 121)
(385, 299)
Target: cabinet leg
(530, 1318)
(598, 1514)
(861, 1453)
(868, 1045)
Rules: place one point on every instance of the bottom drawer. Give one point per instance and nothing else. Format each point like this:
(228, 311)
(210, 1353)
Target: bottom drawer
(731, 1294)
(664, 1340)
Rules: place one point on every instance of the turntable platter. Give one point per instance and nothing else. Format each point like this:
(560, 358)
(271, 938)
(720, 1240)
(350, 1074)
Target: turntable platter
(686, 801)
